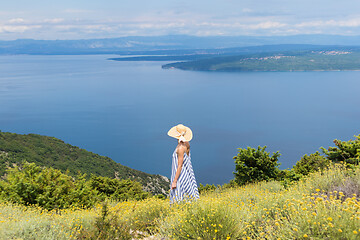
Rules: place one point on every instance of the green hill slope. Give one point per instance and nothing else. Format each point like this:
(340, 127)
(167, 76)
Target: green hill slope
(53, 152)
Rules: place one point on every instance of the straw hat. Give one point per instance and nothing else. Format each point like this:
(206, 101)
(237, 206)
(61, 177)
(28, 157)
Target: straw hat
(184, 134)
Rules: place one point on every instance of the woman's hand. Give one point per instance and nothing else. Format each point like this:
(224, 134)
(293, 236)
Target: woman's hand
(173, 185)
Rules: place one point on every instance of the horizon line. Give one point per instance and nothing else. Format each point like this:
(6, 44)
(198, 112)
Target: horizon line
(185, 35)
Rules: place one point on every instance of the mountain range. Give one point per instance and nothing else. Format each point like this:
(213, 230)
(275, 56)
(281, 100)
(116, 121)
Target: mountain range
(170, 44)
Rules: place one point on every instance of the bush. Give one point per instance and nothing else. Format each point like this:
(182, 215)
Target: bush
(106, 226)
(337, 179)
(253, 165)
(312, 163)
(143, 216)
(348, 152)
(231, 184)
(119, 190)
(49, 188)
(206, 188)
(45, 187)
(288, 177)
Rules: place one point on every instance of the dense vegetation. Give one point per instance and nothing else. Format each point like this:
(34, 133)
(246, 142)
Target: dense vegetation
(253, 165)
(48, 188)
(53, 152)
(317, 199)
(319, 60)
(321, 206)
(312, 163)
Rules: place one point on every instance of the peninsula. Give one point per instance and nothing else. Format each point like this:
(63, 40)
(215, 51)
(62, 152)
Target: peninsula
(319, 60)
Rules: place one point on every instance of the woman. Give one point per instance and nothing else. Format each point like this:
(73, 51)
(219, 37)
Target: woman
(183, 183)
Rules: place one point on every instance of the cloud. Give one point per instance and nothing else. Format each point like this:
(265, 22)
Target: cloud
(354, 22)
(266, 25)
(16, 20)
(17, 29)
(53, 20)
(173, 22)
(76, 11)
(247, 10)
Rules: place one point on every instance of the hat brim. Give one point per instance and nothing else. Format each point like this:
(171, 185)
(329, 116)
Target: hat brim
(174, 133)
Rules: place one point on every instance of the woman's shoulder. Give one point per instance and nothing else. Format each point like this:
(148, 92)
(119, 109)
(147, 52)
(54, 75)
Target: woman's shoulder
(183, 148)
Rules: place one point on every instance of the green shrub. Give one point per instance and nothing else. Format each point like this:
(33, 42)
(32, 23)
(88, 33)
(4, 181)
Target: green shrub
(288, 177)
(119, 190)
(206, 188)
(46, 187)
(312, 163)
(254, 165)
(348, 152)
(232, 184)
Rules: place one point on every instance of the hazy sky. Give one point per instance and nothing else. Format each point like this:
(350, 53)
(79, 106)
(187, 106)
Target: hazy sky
(75, 19)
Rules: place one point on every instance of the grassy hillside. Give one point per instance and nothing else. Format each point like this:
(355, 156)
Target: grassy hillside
(53, 152)
(324, 205)
(319, 60)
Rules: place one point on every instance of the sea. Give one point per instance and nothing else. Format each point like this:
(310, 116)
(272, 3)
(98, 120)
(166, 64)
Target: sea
(123, 110)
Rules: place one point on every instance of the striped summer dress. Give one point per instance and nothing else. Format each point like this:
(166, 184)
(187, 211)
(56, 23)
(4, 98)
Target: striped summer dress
(186, 187)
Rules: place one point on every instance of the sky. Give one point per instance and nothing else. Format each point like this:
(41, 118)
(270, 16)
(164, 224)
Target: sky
(84, 19)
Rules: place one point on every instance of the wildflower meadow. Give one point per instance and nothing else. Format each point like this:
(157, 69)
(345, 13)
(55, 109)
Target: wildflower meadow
(322, 205)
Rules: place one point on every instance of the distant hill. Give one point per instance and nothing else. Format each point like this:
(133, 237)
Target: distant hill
(53, 152)
(326, 58)
(148, 44)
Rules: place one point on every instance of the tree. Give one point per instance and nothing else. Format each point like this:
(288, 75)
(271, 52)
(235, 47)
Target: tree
(253, 165)
(348, 152)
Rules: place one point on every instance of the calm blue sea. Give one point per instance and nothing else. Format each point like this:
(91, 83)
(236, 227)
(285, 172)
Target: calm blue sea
(123, 110)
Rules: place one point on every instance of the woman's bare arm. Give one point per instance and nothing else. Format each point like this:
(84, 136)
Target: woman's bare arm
(180, 152)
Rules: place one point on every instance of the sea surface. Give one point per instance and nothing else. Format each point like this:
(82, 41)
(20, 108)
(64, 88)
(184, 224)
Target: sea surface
(123, 110)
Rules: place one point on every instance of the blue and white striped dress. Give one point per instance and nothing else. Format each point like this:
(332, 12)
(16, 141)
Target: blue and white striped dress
(186, 187)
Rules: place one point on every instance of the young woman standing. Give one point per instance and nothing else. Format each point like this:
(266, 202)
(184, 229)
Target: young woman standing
(183, 182)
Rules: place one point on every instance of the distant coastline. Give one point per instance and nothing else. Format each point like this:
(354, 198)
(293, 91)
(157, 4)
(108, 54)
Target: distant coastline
(294, 61)
(276, 58)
